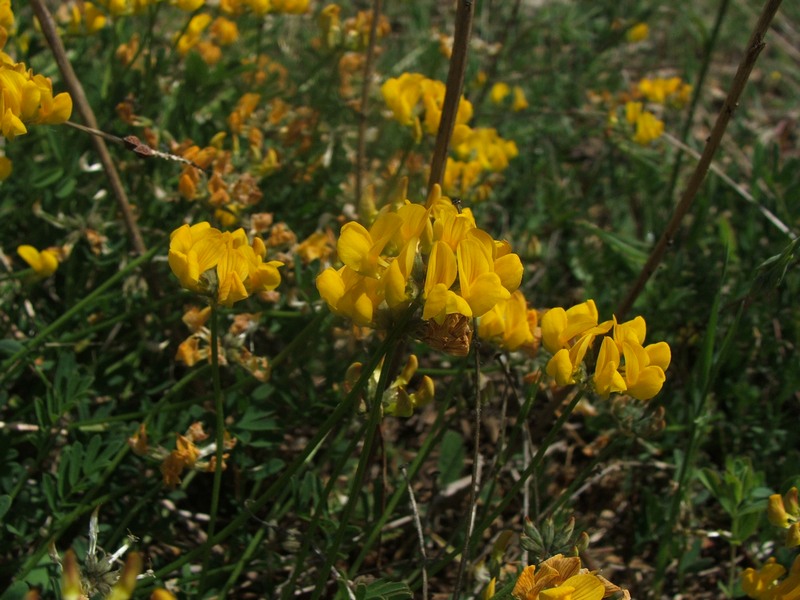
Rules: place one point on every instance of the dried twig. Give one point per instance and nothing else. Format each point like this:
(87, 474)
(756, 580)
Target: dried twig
(452, 95)
(85, 110)
(754, 47)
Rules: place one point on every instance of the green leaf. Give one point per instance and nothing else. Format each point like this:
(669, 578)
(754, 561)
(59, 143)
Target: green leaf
(5, 504)
(383, 590)
(451, 458)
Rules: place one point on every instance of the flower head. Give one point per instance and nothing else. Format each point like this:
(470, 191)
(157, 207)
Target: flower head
(220, 264)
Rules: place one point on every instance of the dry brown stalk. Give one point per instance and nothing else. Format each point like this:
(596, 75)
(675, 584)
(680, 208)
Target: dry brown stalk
(452, 95)
(754, 47)
(82, 104)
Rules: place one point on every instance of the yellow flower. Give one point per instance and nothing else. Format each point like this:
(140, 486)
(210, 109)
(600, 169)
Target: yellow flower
(221, 264)
(607, 378)
(510, 323)
(638, 33)
(520, 101)
(764, 584)
(499, 92)
(225, 31)
(44, 263)
(648, 128)
(28, 98)
(189, 5)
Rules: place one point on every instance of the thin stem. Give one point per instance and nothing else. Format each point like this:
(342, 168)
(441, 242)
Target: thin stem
(375, 414)
(452, 95)
(754, 47)
(476, 464)
(361, 148)
(281, 482)
(220, 433)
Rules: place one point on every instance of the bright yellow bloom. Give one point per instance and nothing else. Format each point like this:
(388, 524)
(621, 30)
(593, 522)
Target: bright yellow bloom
(764, 584)
(638, 33)
(349, 294)
(509, 323)
(26, 98)
(361, 250)
(412, 95)
(44, 263)
(221, 264)
(648, 127)
(607, 378)
(499, 92)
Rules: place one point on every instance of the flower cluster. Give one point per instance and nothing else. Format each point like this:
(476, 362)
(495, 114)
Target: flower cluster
(25, 98)
(784, 511)
(563, 578)
(435, 254)
(417, 101)
(766, 583)
(221, 265)
(623, 363)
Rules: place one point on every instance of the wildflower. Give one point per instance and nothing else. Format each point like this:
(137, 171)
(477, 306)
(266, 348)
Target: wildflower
(221, 265)
(638, 33)
(784, 511)
(644, 366)
(510, 323)
(563, 578)
(330, 25)
(26, 98)
(43, 263)
(765, 584)
(225, 31)
(520, 101)
(568, 334)
(648, 127)
(184, 456)
(189, 5)
(499, 92)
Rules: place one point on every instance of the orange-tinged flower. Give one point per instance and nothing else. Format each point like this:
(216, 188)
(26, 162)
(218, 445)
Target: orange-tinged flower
(563, 578)
(765, 584)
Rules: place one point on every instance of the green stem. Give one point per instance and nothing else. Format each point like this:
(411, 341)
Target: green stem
(375, 414)
(518, 485)
(431, 441)
(8, 365)
(220, 435)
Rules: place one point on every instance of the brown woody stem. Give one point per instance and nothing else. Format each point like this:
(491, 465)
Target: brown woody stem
(754, 47)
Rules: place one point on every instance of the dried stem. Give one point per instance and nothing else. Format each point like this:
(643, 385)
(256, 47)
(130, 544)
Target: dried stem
(452, 95)
(754, 47)
(362, 109)
(85, 110)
